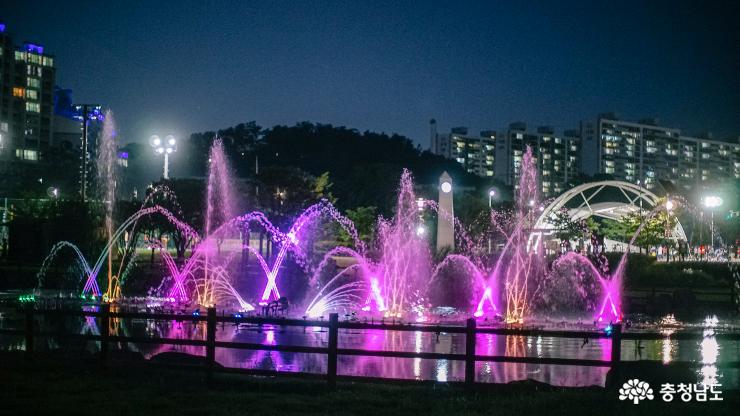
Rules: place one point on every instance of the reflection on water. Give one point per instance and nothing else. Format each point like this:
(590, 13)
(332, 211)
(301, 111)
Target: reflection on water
(417, 361)
(442, 370)
(709, 352)
(706, 352)
(668, 345)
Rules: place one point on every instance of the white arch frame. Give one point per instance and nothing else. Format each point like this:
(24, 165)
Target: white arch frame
(614, 210)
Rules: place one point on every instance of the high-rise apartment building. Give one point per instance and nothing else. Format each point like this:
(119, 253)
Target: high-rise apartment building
(476, 153)
(499, 155)
(26, 103)
(645, 152)
(557, 156)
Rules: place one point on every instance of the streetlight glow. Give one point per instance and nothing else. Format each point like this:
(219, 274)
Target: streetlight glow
(164, 147)
(669, 205)
(712, 201)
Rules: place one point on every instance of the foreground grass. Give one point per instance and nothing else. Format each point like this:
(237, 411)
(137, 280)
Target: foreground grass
(59, 387)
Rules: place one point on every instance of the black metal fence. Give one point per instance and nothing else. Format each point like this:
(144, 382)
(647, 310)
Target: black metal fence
(332, 350)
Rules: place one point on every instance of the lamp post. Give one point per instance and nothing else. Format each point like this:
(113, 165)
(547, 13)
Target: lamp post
(491, 194)
(712, 202)
(164, 147)
(668, 231)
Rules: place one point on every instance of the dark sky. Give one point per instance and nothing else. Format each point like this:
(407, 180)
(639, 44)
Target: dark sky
(194, 65)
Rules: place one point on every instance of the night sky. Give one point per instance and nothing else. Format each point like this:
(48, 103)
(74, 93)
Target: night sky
(192, 65)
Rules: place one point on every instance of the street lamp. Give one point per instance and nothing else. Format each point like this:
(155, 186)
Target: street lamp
(164, 147)
(491, 194)
(712, 202)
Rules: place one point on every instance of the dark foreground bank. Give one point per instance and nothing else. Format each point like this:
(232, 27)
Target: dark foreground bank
(58, 386)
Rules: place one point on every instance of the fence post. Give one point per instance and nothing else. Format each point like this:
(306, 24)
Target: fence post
(104, 331)
(211, 340)
(470, 333)
(29, 330)
(331, 365)
(616, 351)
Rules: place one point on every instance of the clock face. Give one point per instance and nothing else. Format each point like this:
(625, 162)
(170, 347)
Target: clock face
(446, 187)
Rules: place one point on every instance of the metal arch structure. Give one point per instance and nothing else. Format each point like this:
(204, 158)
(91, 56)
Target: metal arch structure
(613, 210)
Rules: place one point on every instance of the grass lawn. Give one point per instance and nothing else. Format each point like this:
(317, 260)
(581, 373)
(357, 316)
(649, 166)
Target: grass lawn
(62, 386)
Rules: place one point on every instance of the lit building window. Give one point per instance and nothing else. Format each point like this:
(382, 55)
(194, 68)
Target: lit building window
(26, 154)
(32, 94)
(33, 82)
(19, 92)
(33, 107)
(20, 56)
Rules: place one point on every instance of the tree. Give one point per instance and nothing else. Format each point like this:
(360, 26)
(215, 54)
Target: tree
(655, 232)
(364, 219)
(567, 229)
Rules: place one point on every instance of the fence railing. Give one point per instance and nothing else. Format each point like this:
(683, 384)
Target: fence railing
(332, 350)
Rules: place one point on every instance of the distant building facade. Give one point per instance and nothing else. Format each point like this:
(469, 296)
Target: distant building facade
(27, 77)
(645, 152)
(557, 157)
(499, 155)
(476, 153)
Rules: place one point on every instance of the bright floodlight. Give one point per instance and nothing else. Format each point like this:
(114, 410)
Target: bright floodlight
(712, 201)
(169, 150)
(420, 230)
(171, 140)
(446, 187)
(492, 192)
(155, 141)
(160, 150)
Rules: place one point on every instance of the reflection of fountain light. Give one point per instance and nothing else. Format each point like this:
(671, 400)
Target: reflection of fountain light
(417, 349)
(442, 370)
(709, 349)
(667, 351)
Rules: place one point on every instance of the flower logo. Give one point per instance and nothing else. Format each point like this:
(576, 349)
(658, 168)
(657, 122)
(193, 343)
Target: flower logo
(635, 390)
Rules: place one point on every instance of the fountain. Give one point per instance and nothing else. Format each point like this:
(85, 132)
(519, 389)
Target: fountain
(395, 278)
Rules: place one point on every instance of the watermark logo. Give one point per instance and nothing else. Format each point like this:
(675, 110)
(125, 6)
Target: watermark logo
(636, 390)
(700, 392)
